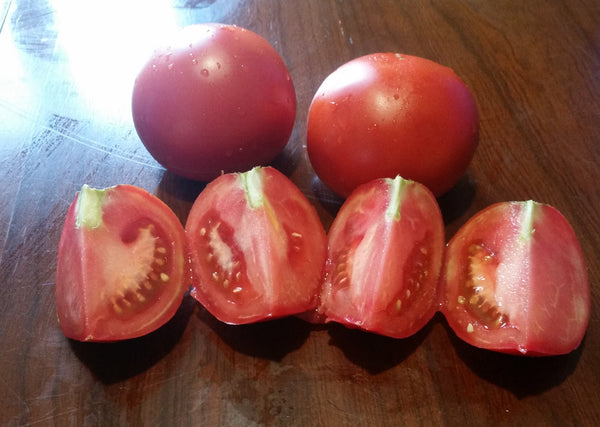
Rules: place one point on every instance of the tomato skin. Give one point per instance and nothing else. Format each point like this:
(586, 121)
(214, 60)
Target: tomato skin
(257, 247)
(109, 286)
(386, 114)
(217, 99)
(534, 295)
(385, 254)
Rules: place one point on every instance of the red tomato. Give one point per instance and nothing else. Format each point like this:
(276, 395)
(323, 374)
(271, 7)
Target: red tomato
(516, 281)
(217, 98)
(120, 270)
(257, 247)
(386, 114)
(385, 254)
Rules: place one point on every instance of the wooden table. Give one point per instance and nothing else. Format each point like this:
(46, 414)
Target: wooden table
(66, 73)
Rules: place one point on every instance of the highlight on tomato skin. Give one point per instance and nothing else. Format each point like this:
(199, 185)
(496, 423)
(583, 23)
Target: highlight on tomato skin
(515, 281)
(385, 255)
(120, 268)
(257, 247)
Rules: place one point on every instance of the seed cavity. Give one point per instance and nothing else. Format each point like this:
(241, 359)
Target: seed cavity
(145, 255)
(226, 261)
(415, 274)
(479, 288)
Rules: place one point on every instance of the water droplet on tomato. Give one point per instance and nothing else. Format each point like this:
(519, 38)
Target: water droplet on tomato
(170, 66)
(204, 72)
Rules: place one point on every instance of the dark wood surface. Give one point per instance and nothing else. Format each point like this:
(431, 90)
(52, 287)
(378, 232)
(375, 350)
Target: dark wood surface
(66, 73)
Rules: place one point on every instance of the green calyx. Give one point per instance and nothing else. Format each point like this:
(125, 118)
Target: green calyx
(88, 212)
(527, 230)
(252, 182)
(397, 190)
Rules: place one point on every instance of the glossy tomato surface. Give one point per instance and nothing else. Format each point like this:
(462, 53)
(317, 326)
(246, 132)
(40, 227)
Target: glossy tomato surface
(120, 270)
(387, 114)
(385, 255)
(257, 247)
(516, 281)
(216, 98)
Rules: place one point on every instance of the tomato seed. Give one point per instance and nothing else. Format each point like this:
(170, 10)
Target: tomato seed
(164, 277)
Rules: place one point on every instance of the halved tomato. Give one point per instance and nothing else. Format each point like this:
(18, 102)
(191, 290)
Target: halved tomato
(516, 282)
(120, 270)
(385, 254)
(257, 247)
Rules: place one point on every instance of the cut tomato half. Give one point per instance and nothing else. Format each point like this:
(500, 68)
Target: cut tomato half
(120, 269)
(385, 254)
(515, 281)
(257, 247)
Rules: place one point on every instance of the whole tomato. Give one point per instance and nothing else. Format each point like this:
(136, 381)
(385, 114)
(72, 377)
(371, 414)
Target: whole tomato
(218, 98)
(387, 114)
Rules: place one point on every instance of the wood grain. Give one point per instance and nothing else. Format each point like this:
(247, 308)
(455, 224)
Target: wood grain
(65, 88)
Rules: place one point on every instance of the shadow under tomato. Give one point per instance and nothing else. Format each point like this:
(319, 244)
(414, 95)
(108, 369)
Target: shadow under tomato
(270, 340)
(521, 375)
(117, 361)
(375, 353)
(458, 199)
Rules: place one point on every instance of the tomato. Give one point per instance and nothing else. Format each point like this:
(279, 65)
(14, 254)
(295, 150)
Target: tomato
(385, 254)
(257, 247)
(387, 114)
(216, 98)
(120, 269)
(516, 282)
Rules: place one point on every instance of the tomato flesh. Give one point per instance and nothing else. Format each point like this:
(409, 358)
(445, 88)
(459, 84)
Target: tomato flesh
(120, 269)
(515, 281)
(257, 247)
(385, 252)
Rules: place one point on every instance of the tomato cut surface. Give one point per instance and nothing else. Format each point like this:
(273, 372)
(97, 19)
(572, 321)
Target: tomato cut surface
(515, 281)
(385, 253)
(120, 269)
(257, 247)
